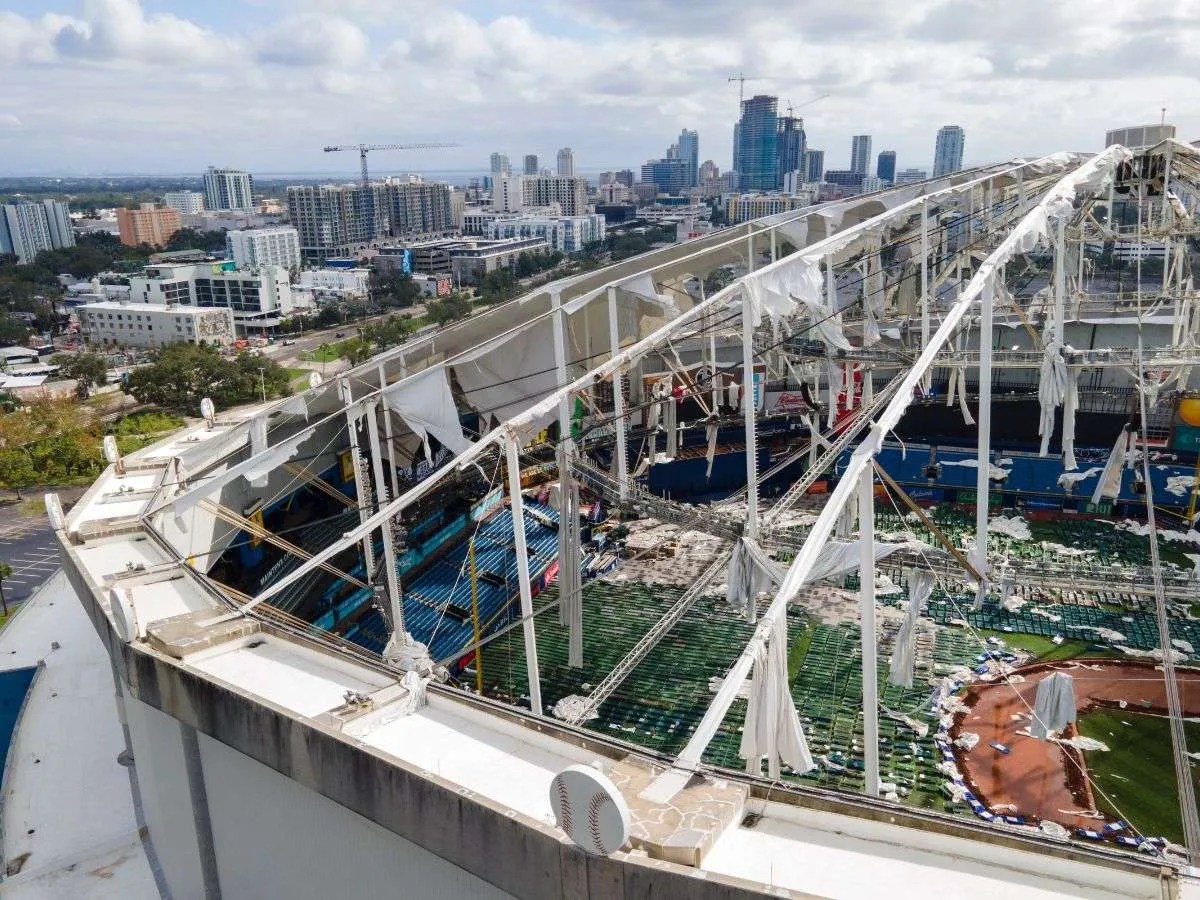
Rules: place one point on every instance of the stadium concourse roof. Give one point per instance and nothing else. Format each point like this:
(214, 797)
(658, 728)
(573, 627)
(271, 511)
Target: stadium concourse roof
(139, 545)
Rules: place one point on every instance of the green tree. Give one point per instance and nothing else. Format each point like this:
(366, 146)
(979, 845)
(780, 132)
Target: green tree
(355, 351)
(181, 374)
(328, 315)
(88, 369)
(16, 470)
(194, 239)
(391, 331)
(12, 329)
(448, 309)
(393, 289)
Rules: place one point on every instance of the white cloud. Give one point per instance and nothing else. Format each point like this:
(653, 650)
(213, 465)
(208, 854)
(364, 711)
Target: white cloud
(119, 84)
(314, 39)
(9, 122)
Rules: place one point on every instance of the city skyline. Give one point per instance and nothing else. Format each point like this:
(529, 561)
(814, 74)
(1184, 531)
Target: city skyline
(113, 86)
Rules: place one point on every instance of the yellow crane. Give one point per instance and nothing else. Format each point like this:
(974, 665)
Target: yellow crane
(364, 149)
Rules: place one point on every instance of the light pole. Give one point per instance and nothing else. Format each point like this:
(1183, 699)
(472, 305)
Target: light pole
(262, 382)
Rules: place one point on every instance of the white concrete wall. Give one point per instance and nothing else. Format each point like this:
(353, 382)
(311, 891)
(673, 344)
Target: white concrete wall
(275, 838)
(157, 742)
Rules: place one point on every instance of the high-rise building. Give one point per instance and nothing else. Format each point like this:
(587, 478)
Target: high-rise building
(669, 174)
(148, 224)
(789, 147)
(508, 194)
(948, 152)
(189, 203)
(531, 164)
(566, 162)
(755, 142)
(570, 192)
(28, 228)
(253, 248)
(885, 166)
(625, 177)
(58, 223)
(333, 220)
(416, 207)
(339, 220)
(689, 152)
(814, 165)
(709, 171)
(860, 153)
(500, 166)
(228, 189)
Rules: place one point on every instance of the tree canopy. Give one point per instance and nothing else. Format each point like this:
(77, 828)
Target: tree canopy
(447, 309)
(88, 369)
(182, 374)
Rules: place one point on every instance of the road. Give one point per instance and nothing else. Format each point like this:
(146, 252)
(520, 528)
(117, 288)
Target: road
(310, 341)
(27, 544)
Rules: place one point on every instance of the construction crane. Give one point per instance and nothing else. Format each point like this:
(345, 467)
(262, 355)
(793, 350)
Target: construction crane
(364, 149)
(741, 78)
(791, 109)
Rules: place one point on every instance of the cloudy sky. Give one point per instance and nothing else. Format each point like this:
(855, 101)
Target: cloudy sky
(167, 86)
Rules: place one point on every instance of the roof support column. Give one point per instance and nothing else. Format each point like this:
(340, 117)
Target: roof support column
(748, 408)
(364, 501)
(395, 595)
(620, 426)
(517, 509)
(926, 379)
(984, 427)
(568, 518)
(866, 595)
(389, 437)
(1060, 280)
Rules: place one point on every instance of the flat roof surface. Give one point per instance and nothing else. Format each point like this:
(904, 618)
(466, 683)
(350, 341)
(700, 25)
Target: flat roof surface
(67, 801)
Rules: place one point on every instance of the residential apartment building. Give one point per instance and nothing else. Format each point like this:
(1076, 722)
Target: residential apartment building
(347, 220)
(566, 162)
(189, 203)
(154, 324)
(570, 192)
(258, 299)
(755, 144)
(948, 151)
(813, 165)
(860, 153)
(743, 207)
(789, 146)
(689, 153)
(148, 224)
(228, 189)
(27, 228)
(531, 164)
(256, 247)
(885, 166)
(568, 234)
(911, 176)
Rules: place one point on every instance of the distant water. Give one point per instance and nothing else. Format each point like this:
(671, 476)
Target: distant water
(14, 685)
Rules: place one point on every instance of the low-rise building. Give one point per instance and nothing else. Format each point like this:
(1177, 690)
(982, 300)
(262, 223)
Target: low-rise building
(470, 261)
(188, 203)
(743, 207)
(148, 224)
(154, 324)
(568, 234)
(335, 284)
(910, 176)
(258, 299)
(275, 246)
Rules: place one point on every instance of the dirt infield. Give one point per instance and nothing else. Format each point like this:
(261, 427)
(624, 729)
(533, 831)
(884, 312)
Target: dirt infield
(1043, 779)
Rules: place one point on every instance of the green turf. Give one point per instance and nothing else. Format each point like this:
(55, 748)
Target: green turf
(798, 652)
(1043, 648)
(1137, 775)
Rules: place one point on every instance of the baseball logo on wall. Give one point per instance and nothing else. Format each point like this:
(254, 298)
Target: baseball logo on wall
(590, 809)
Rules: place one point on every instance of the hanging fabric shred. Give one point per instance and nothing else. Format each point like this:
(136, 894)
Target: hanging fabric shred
(772, 728)
(711, 452)
(900, 669)
(1053, 386)
(1108, 485)
(1054, 708)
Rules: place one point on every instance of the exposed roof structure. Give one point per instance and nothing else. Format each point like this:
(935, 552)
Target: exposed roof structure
(415, 564)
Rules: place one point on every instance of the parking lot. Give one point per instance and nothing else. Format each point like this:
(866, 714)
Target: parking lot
(28, 546)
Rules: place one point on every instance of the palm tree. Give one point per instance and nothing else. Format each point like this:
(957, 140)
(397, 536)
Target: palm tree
(5, 572)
